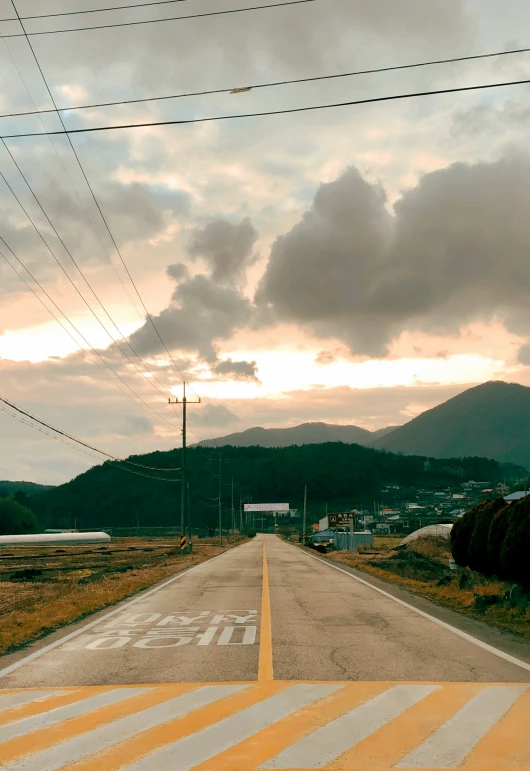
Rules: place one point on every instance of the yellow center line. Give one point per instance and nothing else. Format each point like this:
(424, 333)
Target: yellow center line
(265, 671)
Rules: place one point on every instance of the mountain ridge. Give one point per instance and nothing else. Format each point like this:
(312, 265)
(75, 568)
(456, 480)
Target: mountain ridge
(304, 433)
(490, 420)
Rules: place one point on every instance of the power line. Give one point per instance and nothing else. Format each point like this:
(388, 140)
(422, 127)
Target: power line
(154, 327)
(94, 197)
(94, 10)
(273, 84)
(88, 217)
(79, 441)
(166, 423)
(68, 252)
(103, 219)
(157, 21)
(47, 433)
(373, 100)
(125, 354)
(121, 468)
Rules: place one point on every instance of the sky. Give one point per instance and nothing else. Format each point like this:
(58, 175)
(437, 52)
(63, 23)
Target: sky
(352, 265)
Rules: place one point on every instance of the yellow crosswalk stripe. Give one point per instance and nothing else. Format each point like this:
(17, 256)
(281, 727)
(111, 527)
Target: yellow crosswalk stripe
(507, 744)
(285, 726)
(271, 741)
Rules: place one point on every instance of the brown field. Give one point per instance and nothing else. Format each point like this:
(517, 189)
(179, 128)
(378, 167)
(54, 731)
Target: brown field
(43, 588)
(423, 569)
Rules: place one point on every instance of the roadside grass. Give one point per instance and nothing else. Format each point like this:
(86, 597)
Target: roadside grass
(423, 569)
(44, 589)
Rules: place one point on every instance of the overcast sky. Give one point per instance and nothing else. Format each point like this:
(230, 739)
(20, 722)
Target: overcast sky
(351, 265)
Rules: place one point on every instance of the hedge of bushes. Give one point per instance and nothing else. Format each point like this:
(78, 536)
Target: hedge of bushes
(493, 538)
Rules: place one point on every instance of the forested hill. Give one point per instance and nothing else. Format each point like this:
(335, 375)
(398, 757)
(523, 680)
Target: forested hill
(343, 475)
(8, 489)
(491, 419)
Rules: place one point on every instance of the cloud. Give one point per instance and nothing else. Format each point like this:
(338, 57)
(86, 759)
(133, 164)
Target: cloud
(524, 355)
(200, 314)
(325, 357)
(454, 251)
(226, 248)
(218, 415)
(177, 271)
(237, 370)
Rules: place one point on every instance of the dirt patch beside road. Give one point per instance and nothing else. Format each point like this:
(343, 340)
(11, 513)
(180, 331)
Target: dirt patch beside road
(42, 589)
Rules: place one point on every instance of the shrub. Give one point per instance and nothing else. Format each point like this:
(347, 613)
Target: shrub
(497, 534)
(478, 544)
(461, 536)
(515, 562)
(16, 519)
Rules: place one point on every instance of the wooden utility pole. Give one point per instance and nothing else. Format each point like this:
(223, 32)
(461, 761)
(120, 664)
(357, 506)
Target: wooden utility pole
(233, 514)
(220, 505)
(305, 515)
(183, 495)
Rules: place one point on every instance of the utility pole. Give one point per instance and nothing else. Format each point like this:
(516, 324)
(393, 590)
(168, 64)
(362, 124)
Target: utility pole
(233, 514)
(305, 515)
(220, 505)
(183, 491)
(240, 515)
(190, 545)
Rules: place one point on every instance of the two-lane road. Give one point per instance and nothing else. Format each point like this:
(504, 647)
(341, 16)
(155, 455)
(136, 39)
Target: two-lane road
(264, 658)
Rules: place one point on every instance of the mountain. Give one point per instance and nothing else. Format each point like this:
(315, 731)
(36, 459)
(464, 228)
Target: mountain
(382, 432)
(306, 433)
(30, 488)
(491, 420)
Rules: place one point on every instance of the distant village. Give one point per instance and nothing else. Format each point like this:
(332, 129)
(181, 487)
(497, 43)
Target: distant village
(404, 511)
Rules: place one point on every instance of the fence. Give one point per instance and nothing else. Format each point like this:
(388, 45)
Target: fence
(349, 542)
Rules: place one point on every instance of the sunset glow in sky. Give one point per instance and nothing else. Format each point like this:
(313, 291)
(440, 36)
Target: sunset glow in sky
(353, 265)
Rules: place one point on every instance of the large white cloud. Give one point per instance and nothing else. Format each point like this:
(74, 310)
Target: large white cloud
(454, 251)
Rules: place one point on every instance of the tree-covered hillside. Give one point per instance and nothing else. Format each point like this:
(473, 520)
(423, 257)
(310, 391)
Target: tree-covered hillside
(341, 475)
(492, 419)
(8, 489)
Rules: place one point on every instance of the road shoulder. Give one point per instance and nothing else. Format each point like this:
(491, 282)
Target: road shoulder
(503, 641)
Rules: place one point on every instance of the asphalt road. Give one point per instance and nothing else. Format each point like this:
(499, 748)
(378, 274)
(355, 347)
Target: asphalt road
(266, 658)
(207, 625)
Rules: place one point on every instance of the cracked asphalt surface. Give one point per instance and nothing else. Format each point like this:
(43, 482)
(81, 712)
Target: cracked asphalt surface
(206, 627)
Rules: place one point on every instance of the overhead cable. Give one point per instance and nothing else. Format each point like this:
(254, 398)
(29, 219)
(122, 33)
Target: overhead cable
(149, 316)
(145, 375)
(291, 110)
(95, 10)
(159, 418)
(79, 441)
(83, 207)
(94, 197)
(158, 21)
(75, 447)
(272, 84)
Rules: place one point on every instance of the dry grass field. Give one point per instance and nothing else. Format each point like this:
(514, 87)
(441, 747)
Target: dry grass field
(43, 588)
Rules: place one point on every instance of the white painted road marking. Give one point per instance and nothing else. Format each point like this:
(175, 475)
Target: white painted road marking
(327, 743)
(189, 752)
(459, 632)
(60, 714)
(448, 746)
(120, 730)
(170, 631)
(47, 648)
